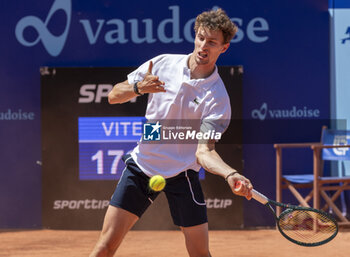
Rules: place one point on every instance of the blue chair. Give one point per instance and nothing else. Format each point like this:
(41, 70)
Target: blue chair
(334, 146)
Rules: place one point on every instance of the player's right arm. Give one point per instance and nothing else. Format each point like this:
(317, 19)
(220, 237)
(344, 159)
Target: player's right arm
(211, 161)
(124, 92)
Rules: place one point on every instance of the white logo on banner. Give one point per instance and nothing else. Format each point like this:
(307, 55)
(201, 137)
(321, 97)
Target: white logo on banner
(53, 44)
(263, 112)
(87, 204)
(260, 113)
(11, 114)
(117, 31)
(218, 203)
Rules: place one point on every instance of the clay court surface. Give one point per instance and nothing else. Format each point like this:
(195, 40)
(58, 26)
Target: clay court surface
(242, 243)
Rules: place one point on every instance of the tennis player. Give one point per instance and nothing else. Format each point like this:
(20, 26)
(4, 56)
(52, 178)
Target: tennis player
(179, 87)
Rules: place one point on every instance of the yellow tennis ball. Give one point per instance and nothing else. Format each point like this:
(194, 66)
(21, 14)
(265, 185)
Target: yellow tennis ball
(157, 183)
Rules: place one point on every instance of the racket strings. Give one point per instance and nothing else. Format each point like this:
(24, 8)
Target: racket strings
(306, 226)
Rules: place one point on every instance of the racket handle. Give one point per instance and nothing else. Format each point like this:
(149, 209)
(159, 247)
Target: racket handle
(255, 194)
(259, 197)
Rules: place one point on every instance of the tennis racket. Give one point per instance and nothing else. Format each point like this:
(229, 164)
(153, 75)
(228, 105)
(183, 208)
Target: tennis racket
(301, 225)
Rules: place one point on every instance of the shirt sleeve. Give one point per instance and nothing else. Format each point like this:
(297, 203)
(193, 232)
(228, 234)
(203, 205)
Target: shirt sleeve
(218, 117)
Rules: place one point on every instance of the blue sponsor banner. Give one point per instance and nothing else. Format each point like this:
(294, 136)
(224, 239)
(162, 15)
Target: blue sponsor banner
(282, 46)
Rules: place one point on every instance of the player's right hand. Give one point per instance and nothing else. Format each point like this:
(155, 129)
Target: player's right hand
(245, 186)
(151, 83)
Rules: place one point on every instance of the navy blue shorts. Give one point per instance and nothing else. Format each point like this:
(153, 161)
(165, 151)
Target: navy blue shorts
(184, 194)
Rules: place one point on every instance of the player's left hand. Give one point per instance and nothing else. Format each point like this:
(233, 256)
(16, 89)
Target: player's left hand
(246, 186)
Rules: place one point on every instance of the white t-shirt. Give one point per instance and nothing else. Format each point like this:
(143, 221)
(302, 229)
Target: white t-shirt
(202, 101)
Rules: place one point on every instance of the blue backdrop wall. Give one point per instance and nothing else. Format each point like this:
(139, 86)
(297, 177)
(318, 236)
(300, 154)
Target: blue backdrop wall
(282, 45)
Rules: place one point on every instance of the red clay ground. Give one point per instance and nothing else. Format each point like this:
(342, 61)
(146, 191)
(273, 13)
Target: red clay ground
(241, 243)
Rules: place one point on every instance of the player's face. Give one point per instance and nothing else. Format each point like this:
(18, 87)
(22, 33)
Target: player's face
(208, 45)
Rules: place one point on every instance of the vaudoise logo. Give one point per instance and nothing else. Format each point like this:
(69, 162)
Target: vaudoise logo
(133, 30)
(293, 113)
(53, 44)
(176, 133)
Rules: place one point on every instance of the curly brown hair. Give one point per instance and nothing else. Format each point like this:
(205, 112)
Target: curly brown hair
(217, 20)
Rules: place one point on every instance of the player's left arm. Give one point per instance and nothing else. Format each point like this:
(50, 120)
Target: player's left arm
(211, 161)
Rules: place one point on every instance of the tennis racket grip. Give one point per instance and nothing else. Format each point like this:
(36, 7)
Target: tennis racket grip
(255, 194)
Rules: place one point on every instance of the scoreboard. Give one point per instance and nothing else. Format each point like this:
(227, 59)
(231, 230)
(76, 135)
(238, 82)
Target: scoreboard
(102, 143)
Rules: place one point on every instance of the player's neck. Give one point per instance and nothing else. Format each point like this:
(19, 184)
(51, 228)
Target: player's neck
(199, 71)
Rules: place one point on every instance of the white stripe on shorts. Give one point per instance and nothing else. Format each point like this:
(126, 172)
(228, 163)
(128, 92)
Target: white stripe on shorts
(189, 184)
(123, 170)
(127, 160)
